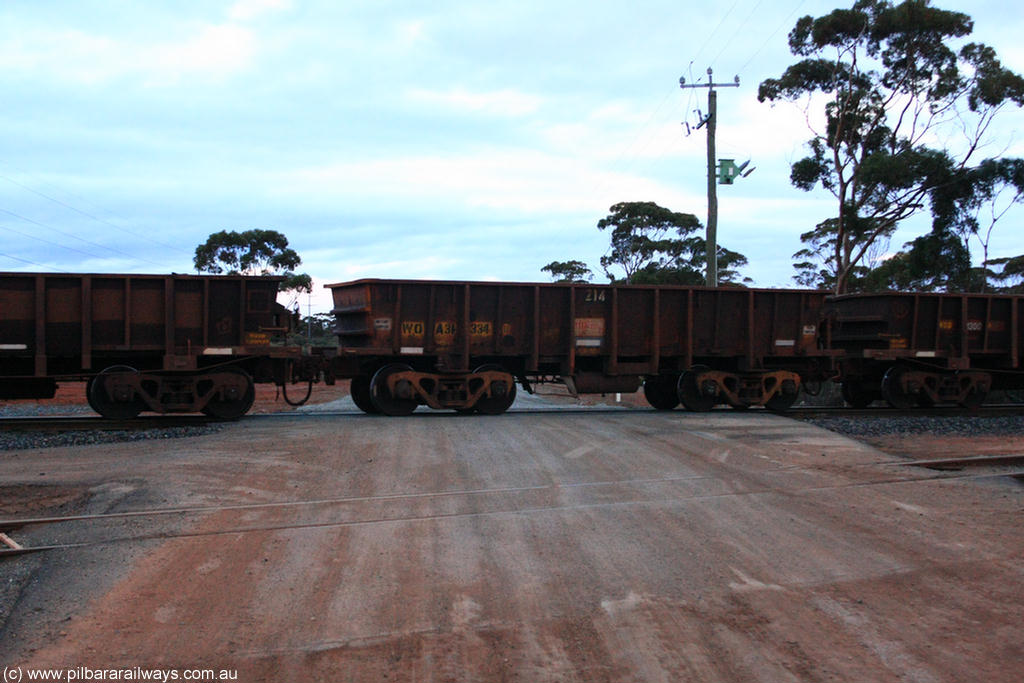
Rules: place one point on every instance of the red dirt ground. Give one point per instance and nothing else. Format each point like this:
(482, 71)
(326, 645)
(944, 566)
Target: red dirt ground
(611, 546)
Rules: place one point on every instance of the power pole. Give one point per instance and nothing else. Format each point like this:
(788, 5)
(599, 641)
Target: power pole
(711, 242)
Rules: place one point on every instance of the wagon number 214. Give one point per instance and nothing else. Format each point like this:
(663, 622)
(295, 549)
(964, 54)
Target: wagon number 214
(594, 295)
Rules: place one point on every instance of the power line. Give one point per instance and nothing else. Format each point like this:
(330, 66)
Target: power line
(91, 216)
(728, 43)
(69, 193)
(80, 239)
(597, 188)
(32, 263)
(644, 127)
(767, 40)
(712, 34)
(45, 241)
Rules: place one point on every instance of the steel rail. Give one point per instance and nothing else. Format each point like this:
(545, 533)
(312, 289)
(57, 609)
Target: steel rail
(55, 423)
(934, 478)
(968, 461)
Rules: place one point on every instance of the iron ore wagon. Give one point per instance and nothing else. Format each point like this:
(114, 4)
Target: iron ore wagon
(162, 343)
(465, 345)
(923, 349)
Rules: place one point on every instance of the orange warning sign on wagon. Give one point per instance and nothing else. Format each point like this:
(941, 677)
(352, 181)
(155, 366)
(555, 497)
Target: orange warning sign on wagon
(589, 331)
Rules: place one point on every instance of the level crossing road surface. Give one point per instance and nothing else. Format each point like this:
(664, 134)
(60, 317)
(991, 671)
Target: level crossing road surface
(534, 546)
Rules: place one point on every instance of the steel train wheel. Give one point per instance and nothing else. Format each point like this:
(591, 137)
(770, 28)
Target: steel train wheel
(893, 392)
(496, 405)
(359, 389)
(234, 404)
(855, 394)
(661, 392)
(690, 394)
(88, 394)
(383, 400)
(106, 405)
(973, 399)
(781, 402)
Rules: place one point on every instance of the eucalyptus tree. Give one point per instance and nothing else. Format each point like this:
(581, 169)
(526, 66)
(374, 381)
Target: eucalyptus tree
(654, 245)
(905, 115)
(252, 252)
(568, 271)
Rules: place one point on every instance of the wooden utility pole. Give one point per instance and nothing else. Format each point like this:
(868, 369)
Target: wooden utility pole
(711, 242)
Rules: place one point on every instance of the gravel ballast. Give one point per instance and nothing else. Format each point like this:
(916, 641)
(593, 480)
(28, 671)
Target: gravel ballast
(28, 439)
(952, 425)
(21, 440)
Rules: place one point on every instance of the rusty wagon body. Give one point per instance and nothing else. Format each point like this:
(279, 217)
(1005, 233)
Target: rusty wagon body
(465, 345)
(163, 343)
(925, 348)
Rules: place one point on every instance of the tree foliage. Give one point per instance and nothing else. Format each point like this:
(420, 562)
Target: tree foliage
(936, 261)
(317, 329)
(965, 208)
(654, 245)
(971, 204)
(1008, 272)
(892, 87)
(568, 271)
(252, 252)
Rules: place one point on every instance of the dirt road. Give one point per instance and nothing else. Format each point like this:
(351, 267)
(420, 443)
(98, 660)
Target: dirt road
(609, 546)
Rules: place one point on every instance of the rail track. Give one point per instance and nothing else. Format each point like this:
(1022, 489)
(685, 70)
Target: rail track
(950, 469)
(53, 423)
(993, 410)
(97, 423)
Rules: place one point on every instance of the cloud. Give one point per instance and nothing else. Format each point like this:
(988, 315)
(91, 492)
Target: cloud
(485, 141)
(410, 32)
(245, 10)
(620, 132)
(505, 102)
(761, 130)
(214, 51)
(81, 57)
(200, 51)
(521, 181)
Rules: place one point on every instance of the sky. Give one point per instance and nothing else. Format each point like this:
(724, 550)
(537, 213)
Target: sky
(443, 140)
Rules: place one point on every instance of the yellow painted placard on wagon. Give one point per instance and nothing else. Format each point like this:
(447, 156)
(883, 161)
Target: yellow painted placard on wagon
(257, 339)
(444, 333)
(412, 329)
(480, 328)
